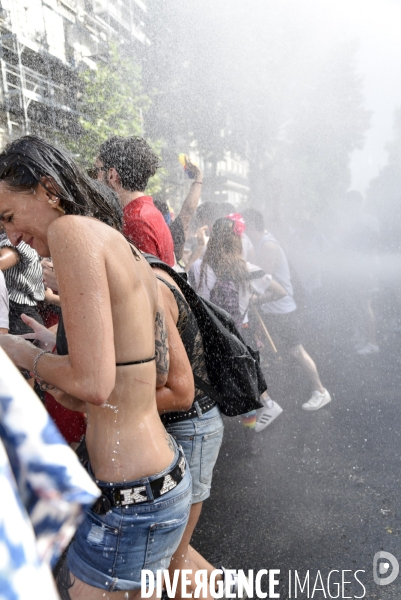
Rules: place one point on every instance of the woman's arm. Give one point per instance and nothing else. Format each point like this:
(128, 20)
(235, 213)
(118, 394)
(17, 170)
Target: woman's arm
(88, 372)
(178, 392)
(191, 202)
(49, 276)
(202, 240)
(161, 342)
(51, 297)
(8, 258)
(275, 291)
(68, 401)
(47, 341)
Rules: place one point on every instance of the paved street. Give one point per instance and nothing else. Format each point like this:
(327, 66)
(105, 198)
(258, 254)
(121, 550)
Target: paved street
(317, 491)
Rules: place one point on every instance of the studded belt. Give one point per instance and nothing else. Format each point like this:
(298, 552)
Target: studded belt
(198, 408)
(116, 496)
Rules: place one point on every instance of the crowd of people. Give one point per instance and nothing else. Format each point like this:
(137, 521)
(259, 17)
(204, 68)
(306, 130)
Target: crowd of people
(114, 351)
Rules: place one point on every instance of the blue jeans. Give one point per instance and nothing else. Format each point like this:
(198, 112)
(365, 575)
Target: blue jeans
(200, 439)
(109, 551)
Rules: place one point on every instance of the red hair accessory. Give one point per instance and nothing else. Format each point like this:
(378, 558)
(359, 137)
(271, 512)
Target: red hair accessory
(239, 223)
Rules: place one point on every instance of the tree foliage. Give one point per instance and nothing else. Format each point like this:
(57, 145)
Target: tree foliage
(384, 193)
(271, 81)
(112, 101)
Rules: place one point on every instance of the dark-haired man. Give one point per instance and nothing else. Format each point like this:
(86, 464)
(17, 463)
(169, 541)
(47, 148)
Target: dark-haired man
(281, 316)
(126, 165)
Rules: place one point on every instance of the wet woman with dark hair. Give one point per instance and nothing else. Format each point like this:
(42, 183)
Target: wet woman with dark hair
(116, 356)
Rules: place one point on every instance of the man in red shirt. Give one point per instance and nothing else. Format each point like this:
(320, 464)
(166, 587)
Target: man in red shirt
(126, 165)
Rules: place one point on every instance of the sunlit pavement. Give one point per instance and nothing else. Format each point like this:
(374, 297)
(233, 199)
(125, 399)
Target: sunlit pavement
(317, 491)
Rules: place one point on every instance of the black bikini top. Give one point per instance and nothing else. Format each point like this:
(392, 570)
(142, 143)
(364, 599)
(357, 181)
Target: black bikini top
(136, 362)
(62, 346)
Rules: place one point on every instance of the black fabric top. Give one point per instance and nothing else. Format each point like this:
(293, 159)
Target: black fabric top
(191, 338)
(178, 235)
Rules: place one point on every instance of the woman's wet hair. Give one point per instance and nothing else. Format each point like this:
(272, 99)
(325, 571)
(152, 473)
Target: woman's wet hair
(114, 203)
(30, 161)
(224, 253)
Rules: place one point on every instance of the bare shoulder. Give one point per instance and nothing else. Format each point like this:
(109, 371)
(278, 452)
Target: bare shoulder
(73, 224)
(76, 233)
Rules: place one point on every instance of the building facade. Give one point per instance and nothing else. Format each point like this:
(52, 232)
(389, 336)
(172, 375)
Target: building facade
(43, 44)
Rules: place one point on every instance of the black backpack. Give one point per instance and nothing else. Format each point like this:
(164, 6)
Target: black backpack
(233, 367)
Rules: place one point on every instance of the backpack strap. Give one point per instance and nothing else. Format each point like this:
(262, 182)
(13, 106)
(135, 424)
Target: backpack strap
(208, 389)
(168, 284)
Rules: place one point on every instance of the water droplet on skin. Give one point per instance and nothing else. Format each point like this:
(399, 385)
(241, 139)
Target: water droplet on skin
(107, 405)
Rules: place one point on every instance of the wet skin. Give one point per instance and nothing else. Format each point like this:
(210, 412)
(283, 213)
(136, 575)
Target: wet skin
(109, 302)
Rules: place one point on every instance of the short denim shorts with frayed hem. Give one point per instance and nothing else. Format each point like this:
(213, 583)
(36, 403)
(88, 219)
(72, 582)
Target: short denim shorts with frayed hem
(200, 439)
(109, 551)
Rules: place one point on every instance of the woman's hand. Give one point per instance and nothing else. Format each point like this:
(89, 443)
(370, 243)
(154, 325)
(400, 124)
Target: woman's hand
(201, 236)
(15, 348)
(46, 338)
(49, 277)
(192, 170)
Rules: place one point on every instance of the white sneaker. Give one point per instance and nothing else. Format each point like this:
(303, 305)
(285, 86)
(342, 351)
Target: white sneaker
(368, 348)
(318, 400)
(266, 415)
(231, 586)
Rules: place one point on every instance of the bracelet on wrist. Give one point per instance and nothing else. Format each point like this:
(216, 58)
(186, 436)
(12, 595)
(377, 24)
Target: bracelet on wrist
(44, 386)
(199, 182)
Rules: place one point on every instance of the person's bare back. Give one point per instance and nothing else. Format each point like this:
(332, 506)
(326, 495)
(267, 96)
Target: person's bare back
(125, 438)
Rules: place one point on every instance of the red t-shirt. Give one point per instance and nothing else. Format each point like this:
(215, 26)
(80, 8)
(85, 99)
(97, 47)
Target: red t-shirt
(145, 227)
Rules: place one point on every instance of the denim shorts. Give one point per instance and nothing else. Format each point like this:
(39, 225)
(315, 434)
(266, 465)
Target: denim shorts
(109, 551)
(200, 439)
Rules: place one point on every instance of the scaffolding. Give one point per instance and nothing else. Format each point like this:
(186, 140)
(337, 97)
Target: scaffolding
(34, 98)
(39, 92)
(122, 16)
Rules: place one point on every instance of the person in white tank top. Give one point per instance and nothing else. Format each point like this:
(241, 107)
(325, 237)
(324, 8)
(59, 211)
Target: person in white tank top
(281, 316)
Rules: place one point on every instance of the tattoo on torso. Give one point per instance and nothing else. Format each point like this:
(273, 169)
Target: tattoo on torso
(161, 347)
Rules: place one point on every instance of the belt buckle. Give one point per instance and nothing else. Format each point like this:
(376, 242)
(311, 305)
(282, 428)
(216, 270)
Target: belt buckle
(133, 495)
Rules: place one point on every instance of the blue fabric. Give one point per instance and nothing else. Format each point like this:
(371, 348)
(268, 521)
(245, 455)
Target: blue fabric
(109, 551)
(200, 438)
(44, 490)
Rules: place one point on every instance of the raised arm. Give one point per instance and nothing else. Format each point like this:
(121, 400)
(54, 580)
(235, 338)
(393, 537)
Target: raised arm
(191, 202)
